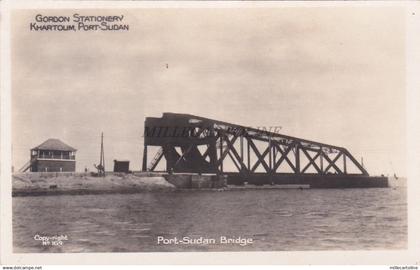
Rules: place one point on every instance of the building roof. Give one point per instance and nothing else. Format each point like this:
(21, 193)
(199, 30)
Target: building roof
(54, 144)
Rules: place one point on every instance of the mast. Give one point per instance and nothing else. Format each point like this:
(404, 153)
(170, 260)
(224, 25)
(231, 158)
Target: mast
(101, 166)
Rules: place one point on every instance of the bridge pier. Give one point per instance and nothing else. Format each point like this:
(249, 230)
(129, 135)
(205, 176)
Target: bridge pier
(313, 180)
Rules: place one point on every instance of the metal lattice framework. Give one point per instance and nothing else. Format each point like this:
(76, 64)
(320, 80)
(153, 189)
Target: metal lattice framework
(181, 137)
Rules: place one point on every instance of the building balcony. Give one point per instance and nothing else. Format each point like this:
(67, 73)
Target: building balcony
(59, 157)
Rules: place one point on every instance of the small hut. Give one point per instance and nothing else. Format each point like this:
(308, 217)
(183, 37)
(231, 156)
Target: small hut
(121, 166)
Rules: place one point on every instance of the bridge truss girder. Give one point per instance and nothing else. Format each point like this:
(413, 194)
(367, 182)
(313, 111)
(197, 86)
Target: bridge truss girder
(242, 147)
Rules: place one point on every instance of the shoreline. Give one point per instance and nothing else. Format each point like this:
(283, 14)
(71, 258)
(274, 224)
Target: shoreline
(52, 192)
(43, 184)
(55, 184)
(37, 193)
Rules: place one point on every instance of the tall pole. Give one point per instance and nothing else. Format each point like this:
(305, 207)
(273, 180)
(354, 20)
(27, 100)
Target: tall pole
(221, 152)
(144, 166)
(297, 159)
(102, 161)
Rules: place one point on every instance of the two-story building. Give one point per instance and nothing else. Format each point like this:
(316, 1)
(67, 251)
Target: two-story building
(53, 156)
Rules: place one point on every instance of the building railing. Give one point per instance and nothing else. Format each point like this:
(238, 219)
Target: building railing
(66, 157)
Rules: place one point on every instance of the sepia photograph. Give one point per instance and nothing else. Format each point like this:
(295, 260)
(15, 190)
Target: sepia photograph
(208, 129)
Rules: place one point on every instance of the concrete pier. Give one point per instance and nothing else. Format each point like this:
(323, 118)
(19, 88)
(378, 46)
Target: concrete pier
(197, 181)
(314, 180)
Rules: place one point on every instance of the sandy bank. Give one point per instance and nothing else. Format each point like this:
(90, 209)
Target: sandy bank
(32, 184)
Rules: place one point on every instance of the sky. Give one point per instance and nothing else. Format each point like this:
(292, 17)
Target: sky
(330, 74)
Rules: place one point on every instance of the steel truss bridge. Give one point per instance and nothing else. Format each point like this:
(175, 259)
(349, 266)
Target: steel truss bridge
(193, 144)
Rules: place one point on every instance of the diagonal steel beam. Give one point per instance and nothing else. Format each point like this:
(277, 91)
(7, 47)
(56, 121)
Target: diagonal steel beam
(332, 163)
(259, 156)
(283, 157)
(156, 161)
(183, 155)
(355, 162)
(234, 161)
(235, 153)
(311, 161)
(207, 152)
(226, 151)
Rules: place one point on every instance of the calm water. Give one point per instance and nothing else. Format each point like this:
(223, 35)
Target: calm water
(323, 219)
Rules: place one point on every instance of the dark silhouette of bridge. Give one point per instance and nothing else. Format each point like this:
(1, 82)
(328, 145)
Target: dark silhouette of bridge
(193, 144)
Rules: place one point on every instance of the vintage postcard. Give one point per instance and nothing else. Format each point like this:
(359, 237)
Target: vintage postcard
(210, 132)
